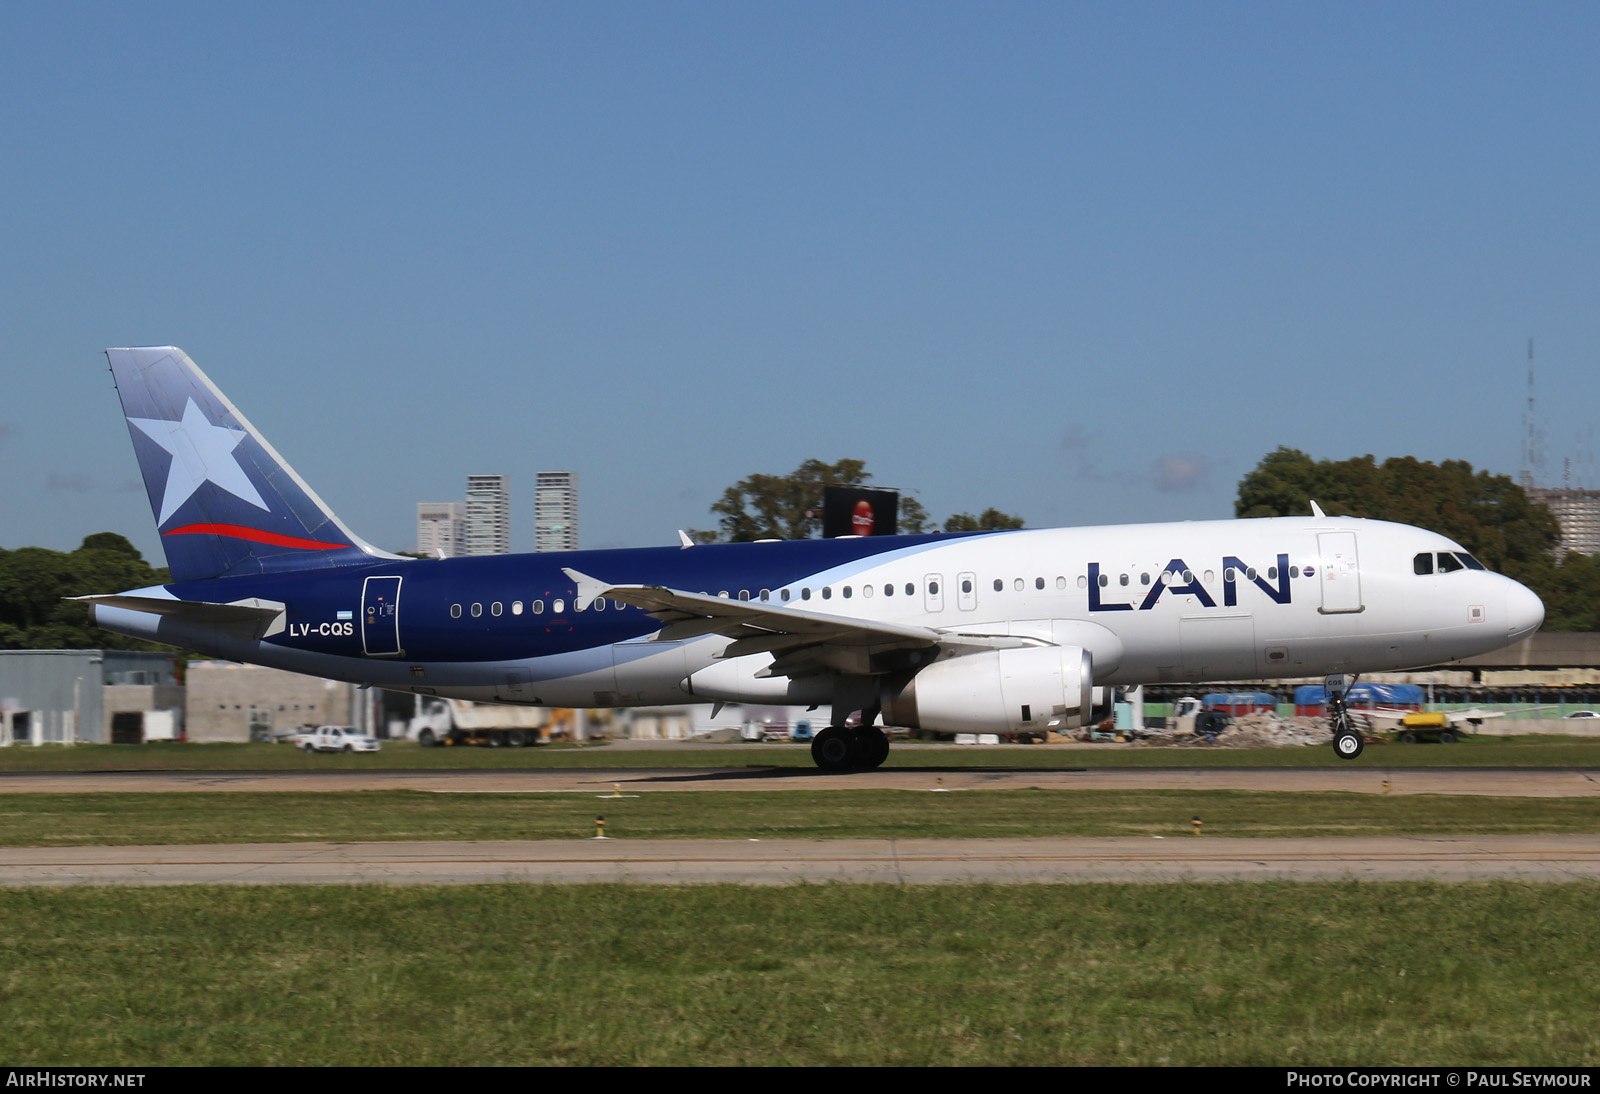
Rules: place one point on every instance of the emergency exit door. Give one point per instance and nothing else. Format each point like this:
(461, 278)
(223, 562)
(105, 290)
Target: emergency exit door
(380, 617)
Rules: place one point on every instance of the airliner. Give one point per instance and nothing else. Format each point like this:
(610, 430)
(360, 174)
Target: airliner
(1017, 631)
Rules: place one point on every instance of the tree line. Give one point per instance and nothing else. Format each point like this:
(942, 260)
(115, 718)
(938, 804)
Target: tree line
(34, 582)
(789, 506)
(1490, 515)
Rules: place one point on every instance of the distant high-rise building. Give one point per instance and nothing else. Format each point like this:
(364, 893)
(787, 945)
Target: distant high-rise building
(488, 519)
(440, 525)
(1578, 514)
(555, 511)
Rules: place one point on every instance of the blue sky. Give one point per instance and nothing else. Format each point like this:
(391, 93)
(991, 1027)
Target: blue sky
(1083, 262)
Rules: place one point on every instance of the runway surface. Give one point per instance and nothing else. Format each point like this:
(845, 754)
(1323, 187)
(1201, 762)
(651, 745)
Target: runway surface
(1459, 858)
(787, 862)
(1499, 782)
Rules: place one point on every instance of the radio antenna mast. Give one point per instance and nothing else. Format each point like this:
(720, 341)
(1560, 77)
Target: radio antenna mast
(1532, 457)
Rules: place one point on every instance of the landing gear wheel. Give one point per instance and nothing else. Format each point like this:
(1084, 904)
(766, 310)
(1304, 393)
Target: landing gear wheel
(832, 749)
(1347, 744)
(872, 746)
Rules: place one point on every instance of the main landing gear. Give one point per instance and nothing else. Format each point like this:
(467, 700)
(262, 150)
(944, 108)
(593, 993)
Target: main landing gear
(850, 748)
(1347, 741)
(845, 747)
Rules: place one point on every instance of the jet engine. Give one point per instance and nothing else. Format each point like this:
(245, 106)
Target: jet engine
(999, 691)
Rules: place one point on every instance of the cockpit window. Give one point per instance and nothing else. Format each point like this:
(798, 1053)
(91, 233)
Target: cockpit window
(1449, 562)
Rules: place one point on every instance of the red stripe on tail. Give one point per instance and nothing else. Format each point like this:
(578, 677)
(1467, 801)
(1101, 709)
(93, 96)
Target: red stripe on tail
(255, 535)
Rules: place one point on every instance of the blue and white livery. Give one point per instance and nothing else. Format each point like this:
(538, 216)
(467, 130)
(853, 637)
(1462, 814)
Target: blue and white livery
(1010, 631)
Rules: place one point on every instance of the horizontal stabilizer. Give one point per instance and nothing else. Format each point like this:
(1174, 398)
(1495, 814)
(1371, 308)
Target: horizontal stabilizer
(261, 618)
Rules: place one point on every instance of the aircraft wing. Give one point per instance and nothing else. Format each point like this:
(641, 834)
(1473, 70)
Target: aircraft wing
(803, 642)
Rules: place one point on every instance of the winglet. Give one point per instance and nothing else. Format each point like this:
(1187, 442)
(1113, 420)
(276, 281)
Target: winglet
(683, 538)
(589, 589)
(1316, 510)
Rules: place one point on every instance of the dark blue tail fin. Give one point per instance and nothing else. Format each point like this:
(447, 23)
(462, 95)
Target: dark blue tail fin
(225, 503)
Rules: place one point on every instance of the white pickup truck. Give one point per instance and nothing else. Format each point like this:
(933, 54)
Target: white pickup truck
(338, 739)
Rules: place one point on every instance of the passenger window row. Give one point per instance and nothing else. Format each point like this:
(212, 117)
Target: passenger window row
(536, 607)
(909, 588)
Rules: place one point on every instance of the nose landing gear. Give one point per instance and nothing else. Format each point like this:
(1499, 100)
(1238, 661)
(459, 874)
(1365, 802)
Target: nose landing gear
(1347, 740)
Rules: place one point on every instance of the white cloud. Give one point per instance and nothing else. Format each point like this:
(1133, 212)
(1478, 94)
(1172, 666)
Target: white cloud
(1183, 471)
(56, 482)
(1076, 439)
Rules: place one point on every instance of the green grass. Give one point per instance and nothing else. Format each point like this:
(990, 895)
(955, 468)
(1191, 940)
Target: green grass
(405, 755)
(1340, 974)
(57, 820)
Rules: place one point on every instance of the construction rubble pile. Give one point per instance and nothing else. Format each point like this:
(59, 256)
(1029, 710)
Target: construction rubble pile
(1263, 729)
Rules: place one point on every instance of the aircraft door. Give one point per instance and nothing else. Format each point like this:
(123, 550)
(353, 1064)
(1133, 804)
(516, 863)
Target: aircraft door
(1340, 573)
(380, 617)
(967, 591)
(933, 592)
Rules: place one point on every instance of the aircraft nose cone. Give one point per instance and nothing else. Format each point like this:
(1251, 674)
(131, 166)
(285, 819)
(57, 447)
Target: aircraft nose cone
(1524, 611)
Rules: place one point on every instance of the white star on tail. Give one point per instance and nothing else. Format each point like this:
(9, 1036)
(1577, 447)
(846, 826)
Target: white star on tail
(201, 452)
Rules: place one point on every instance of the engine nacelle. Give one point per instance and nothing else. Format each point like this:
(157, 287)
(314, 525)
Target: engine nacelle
(999, 691)
(735, 681)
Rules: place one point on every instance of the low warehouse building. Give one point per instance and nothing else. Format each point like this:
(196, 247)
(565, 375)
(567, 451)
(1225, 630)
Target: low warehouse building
(89, 696)
(234, 702)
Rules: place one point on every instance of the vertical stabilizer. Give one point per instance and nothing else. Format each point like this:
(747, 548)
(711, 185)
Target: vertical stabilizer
(225, 502)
